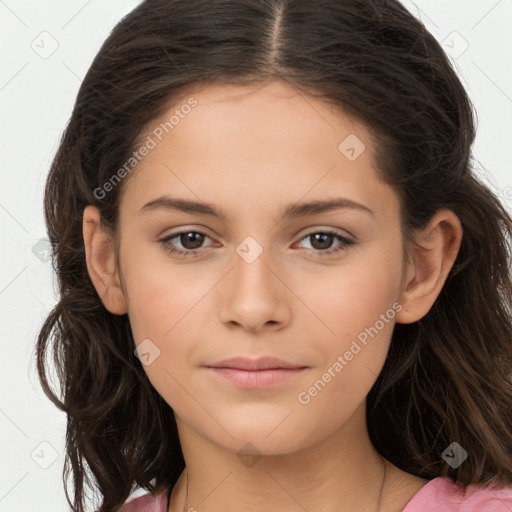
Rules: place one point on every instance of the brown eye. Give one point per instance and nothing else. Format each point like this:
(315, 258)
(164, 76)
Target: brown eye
(184, 242)
(321, 242)
(191, 239)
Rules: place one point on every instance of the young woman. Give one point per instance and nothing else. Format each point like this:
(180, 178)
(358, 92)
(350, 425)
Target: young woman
(281, 285)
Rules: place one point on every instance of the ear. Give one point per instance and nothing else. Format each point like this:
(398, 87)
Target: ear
(101, 263)
(429, 265)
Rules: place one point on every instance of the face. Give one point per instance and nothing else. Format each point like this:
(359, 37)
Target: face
(261, 274)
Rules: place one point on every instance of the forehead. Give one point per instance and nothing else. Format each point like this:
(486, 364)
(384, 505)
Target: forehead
(256, 145)
(263, 109)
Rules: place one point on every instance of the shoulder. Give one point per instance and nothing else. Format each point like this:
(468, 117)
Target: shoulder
(146, 503)
(442, 493)
(491, 498)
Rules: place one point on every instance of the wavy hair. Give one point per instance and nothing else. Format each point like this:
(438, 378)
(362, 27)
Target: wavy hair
(447, 377)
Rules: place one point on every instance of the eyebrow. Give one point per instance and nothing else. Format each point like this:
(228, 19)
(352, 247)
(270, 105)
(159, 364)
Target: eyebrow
(292, 211)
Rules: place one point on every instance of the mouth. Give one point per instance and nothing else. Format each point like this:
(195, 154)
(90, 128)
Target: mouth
(262, 363)
(257, 379)
(261, 373)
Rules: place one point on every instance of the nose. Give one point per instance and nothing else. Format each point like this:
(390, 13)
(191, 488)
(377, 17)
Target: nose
(254, 295)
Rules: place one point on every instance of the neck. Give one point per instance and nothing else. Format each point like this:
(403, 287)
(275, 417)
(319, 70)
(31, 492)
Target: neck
(341, 473)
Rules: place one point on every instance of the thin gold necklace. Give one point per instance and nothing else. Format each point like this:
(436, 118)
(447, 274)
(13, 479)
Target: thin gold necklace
(379, 501)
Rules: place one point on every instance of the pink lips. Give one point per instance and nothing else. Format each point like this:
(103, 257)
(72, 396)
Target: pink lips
(256, 373)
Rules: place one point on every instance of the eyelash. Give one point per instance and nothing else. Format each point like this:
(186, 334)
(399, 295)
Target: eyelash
(185, 253)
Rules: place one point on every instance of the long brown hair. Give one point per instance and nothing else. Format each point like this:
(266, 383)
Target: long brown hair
(447, 377)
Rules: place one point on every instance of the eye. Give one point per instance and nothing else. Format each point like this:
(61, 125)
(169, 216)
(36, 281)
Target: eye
(322, 240)
(191, 240)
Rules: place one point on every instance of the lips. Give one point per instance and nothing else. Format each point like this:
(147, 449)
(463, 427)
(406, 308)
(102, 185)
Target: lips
(262, 363)
(252, 374)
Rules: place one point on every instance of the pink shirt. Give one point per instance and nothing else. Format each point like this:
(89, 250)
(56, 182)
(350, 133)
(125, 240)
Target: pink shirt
(438, 495)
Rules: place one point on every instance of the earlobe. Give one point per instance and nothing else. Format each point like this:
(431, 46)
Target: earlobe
(101, 262)
(430, 265)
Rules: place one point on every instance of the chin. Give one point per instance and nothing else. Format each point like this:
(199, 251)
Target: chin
(260, 440)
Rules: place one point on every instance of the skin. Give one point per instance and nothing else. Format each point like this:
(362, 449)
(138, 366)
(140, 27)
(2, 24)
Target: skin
(251, 151)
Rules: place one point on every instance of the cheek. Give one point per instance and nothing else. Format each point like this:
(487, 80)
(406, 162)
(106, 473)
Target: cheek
(161, 309)
(355, 311)
(362, 318)
(161, 296)
(351, 297)
(164, 301)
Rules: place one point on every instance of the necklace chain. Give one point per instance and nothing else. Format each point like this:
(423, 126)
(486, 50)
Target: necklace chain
(379, 501)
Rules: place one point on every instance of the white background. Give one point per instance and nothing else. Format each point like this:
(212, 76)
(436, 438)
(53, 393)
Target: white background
(36, 99)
